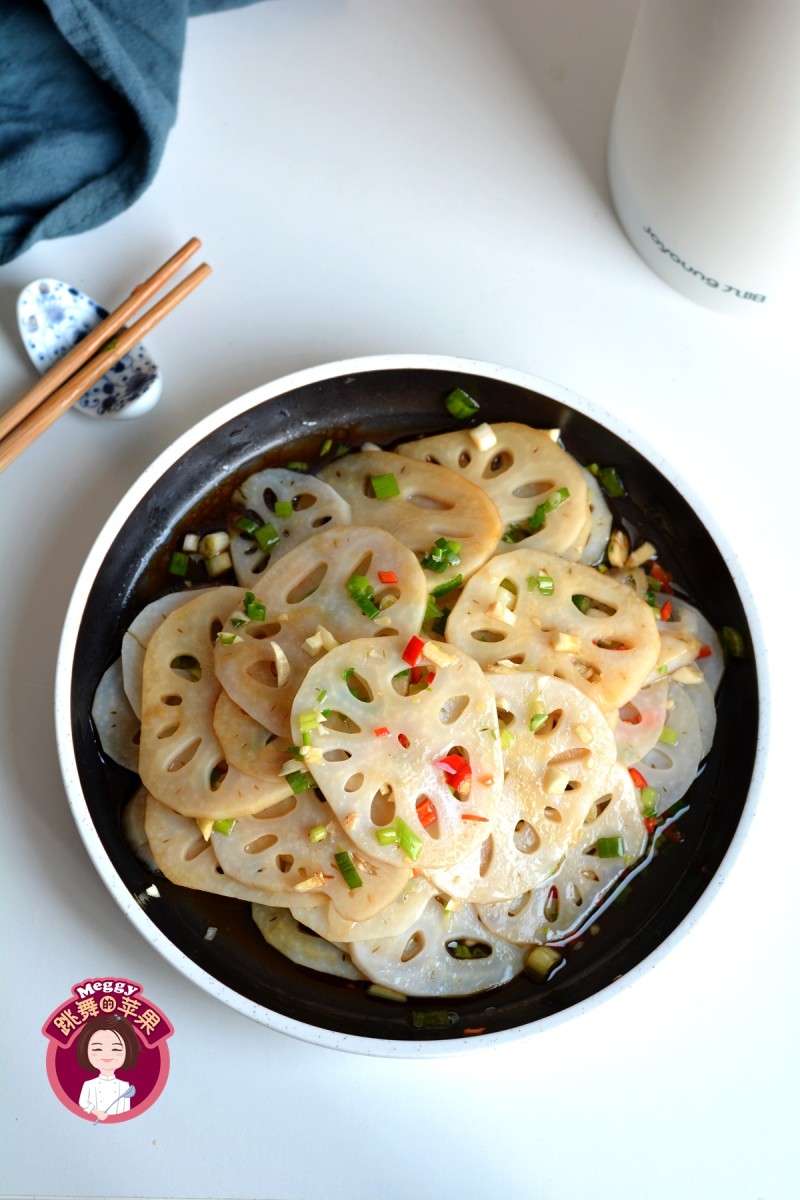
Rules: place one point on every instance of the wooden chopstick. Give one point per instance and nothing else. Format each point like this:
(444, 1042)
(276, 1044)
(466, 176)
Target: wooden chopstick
(43, 416)
(94, 339)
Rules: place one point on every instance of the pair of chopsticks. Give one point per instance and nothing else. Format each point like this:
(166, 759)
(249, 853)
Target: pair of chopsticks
(96, 353)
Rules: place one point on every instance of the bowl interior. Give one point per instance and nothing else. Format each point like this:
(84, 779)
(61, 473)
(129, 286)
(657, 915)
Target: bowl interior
(386, 405)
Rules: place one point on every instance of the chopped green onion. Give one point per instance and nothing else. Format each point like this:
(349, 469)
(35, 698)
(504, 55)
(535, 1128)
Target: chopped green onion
(610, 847)
(224, 825)
(284, 508)
(385, 486)
(432, 611)
(545, 583)
(294, 465)
(345, 864)
(387, 836)
(663, 669)
(347, 672)
(732, 642)
(363, 593)
(254, 609)
(434, 1018)
(308, 720)
(179, 563)
(298, 781)
(611, 481)
(542, 511)
(460, 405)
(442, 589)
(654, 583)
(384, 993)
(247, 525)
(514, 533)
(237, 620)
(668, 735)
(443, 553)
(582, 603)
(305, 737)
(407, 840)
(321, 694)
(326, 447)
(317, 834)
(266, 536)
(506, 739)
(228, 639)
(541, 962)
(537, 721)
(648, 799)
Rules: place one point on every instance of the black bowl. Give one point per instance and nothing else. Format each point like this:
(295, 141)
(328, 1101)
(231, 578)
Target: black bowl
(384, 400)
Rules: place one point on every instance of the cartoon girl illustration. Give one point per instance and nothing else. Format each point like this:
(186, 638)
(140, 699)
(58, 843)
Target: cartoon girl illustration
(106, 1044)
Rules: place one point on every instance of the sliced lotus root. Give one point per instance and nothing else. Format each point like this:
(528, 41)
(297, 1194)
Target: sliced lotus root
(390, 748)
(702, 698)
(282, 930)
(115, 721)
(314, 504)
(671, 769)
(688, 626)
(181, 761)
(600, 522)
(133, 816)
(440, 954)
(524, 469)
(562, 904)
(182, 854)
(250, 747)
(553, 775)
(137, 636)
(433, 503)
(640, 722)
(390, 921)
(272, 851)
(307, 591)
(522, 608)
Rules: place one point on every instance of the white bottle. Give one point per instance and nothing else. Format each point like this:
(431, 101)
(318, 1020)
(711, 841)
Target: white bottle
(704, 149)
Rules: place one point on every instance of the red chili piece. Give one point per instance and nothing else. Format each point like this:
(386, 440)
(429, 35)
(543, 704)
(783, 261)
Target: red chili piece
(456, 768)
(382, 732)
(413, 651)
(704, 652)
(663, 577)
(638, 778)
(387, 577)
(666, 610)
(426, 812)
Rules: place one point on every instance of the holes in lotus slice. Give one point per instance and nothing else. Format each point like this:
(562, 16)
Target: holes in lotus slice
(671, 769)
(517, 473)
(274, 854)
(314, 505)
(180, 752)
(583, 879)
(284, 932)
(418, 962)
(640, 722)
(251, 748)
(455, 711)
(551, 634)
(433, 503)
(549, 786)
(114, 719)
(248, 668)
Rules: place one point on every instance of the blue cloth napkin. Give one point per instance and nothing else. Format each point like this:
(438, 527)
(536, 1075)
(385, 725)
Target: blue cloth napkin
(88, 94)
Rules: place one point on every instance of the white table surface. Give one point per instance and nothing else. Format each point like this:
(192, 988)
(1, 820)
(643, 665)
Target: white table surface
(369, 177)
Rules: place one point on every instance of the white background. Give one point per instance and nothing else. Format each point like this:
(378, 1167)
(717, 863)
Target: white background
(370, 177)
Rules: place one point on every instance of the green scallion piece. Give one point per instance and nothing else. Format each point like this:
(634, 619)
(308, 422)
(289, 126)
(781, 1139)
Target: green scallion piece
(407, 840)
(295, 465)
(434, 1018)
(238, 620)
(326, 447)
(385, 486)
(663, 669)
(321, 694)
(308, 720)
(305, 737)
(541, 962)
(266, 536)
(347, 672)
(610, 847)
(284, 508)
(543, 510)
(668, 735)
(179, 563)
(442, 589)
(611, 482)
(228, 639)
(384, 993)
(387, 836)
(317, 834)
(545, 583)
(443, 553)
(247, 525)
(298, 781)
(254, 610)
(732, 642)
(460, 405)
(224, 825)
(349, 874)
(506, 739)
(648, 800)
(432, 610)
(362, 592)
(582, 603)
(537, 721)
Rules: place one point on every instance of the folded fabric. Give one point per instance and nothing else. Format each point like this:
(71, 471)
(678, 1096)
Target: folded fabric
(88, 94)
